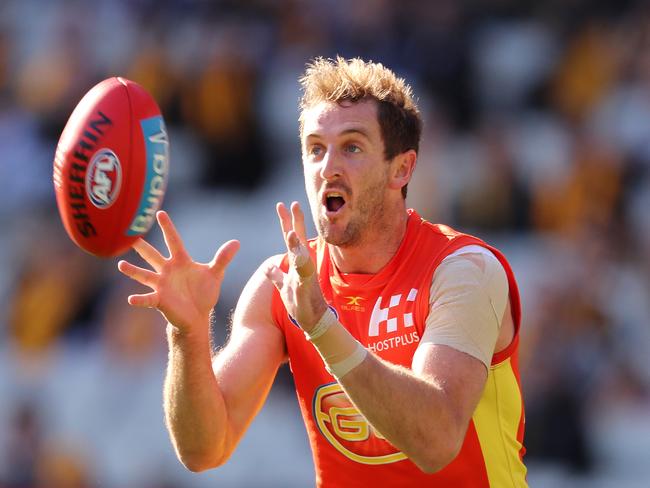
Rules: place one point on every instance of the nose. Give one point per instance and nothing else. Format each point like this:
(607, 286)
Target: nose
(331, 165)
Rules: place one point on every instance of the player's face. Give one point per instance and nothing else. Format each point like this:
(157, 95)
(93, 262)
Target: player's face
(346, 174)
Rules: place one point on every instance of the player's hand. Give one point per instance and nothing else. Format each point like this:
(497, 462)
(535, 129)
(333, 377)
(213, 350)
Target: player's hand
(184, 291)
(299, 288)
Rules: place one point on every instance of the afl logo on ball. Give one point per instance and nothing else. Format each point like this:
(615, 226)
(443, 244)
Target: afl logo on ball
(103, 178)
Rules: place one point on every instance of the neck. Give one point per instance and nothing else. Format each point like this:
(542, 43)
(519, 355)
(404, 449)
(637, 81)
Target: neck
(375, 249)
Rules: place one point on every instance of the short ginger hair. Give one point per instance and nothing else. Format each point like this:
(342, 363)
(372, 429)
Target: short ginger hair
(340, 80)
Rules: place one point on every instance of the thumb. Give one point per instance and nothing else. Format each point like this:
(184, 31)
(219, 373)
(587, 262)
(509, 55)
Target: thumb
(223, 257)
(275, 275)
(299, 255)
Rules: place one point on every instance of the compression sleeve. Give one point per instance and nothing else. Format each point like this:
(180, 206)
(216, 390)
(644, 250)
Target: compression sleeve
(469, 294)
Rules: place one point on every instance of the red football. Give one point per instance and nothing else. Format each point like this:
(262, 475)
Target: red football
(111, 167)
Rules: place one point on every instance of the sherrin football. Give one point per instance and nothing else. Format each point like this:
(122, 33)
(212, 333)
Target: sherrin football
(111, 167)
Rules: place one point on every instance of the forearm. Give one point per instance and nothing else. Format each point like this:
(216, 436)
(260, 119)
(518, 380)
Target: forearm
(195, 410)
(412, 412)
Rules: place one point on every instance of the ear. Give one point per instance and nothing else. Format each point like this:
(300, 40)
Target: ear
(402, 168)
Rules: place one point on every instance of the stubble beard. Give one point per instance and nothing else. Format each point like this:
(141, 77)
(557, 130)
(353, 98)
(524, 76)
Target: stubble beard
(369, 214)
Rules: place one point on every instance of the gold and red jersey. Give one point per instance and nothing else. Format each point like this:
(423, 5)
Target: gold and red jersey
(386, 312)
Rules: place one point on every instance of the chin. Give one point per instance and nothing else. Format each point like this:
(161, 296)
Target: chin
(334, 240)
(337, 235)
(329, 233)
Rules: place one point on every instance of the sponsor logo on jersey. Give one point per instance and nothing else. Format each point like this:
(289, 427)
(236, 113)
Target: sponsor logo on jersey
(391, 323)
(383, 317)
(353, 304)
(103, 178)
(394, 341)
(348, 431)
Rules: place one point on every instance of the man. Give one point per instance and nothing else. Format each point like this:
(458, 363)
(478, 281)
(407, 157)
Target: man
(402, 335)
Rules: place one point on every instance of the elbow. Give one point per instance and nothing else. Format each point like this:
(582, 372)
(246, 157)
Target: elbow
(197, 466)
(198, 462)
(437, 455)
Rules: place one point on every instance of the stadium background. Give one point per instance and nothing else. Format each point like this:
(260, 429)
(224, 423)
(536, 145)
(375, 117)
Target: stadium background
(537, 138)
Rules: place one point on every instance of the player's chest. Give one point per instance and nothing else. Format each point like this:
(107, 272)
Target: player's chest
(389, 322)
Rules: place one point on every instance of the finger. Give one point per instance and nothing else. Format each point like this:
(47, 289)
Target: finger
(298, 221)
(171, 235)
(149, 253)
(299, 255)
(141, 275)
(285, 219)
(276, 276)
(223, 257)
(147, 300)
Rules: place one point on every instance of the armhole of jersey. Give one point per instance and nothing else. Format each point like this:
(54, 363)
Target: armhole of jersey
(515, 309)
(278, 312)
(499, 357)
(276, 307)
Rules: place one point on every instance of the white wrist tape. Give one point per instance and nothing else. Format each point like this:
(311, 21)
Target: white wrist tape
(340, 369)
(324, 323)
(340, 351)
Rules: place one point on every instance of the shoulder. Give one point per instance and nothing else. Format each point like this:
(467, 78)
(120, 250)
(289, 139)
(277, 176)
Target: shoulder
(257, 296)
(254, 313)
(441, 236)
(471, 265)
(439, 243)
(468, 300)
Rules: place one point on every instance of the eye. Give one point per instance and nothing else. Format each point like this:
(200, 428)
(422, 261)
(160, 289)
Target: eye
(352, 148)
(315, 150)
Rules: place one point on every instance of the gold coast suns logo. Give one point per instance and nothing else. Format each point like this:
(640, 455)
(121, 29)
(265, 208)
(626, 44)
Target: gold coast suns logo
(348, 431)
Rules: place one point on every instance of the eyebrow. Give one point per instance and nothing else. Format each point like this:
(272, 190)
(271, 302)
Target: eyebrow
(353, 130)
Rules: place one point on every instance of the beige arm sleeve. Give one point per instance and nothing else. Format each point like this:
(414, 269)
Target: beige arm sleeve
(469, 294)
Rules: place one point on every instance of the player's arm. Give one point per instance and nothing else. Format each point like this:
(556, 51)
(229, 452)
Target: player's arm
(208, 402)
(208, 407)
(423, 411)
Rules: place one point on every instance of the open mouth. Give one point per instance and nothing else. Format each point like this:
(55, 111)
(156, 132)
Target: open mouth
(334, 202)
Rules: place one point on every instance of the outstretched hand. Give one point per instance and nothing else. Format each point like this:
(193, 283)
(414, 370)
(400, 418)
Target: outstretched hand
(299, 288)
(184, 291)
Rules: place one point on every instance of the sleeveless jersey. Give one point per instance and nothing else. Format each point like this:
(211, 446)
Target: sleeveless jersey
(386, 312)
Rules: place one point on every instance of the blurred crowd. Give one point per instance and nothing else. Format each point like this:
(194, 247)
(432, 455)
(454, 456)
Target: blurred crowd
(537, 138)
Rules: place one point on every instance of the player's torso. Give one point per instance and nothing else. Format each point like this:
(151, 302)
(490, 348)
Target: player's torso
(386, 313)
